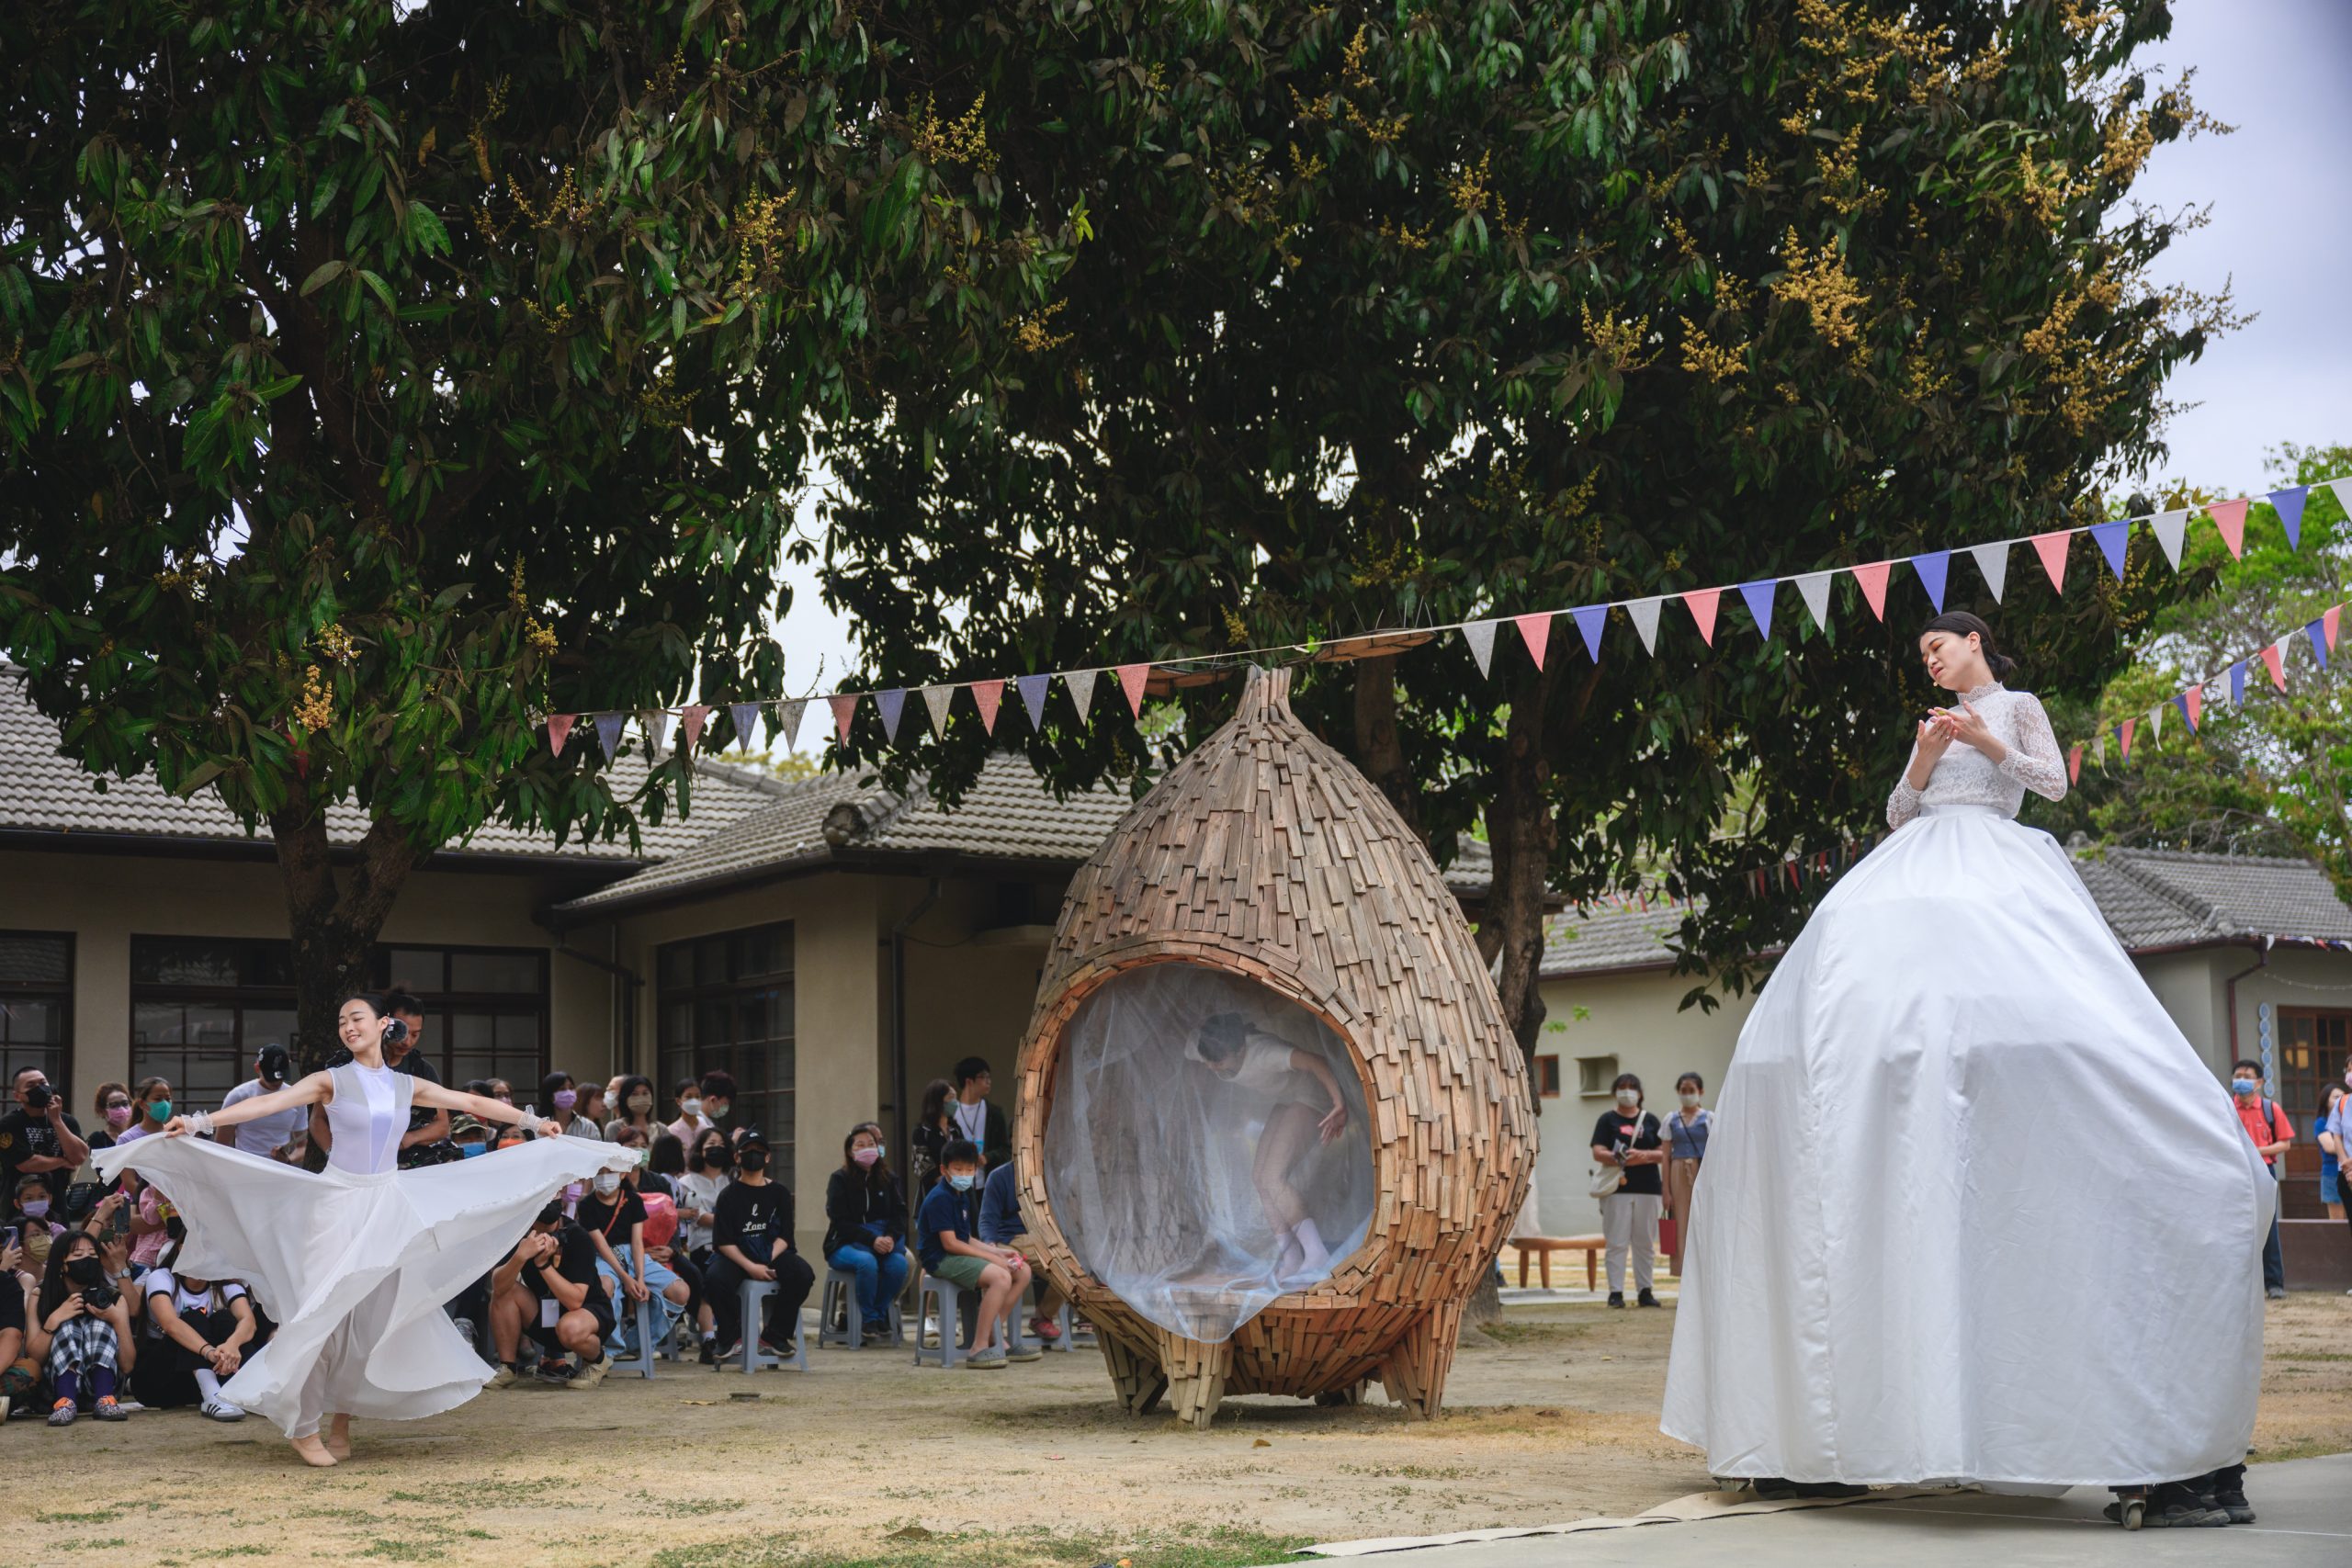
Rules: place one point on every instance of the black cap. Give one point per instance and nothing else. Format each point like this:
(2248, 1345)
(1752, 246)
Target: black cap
(753, 1139)
(276, 1065)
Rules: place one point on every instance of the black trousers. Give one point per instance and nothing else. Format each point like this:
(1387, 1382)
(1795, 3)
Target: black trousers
(165, 1378)
(723, 1287)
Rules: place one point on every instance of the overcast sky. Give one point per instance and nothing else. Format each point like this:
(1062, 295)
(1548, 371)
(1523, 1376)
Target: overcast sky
(2279, 71)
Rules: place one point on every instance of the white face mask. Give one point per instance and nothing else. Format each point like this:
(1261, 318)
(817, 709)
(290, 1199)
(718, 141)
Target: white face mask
(607, 1182)
(1690, 1101)
(691, 1107)
(1627, 1098)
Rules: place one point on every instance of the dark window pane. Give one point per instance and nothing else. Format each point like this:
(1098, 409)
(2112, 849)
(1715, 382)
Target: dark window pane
(212, 1026)
(710, 961)
(35, 960)
(678, 1024)
(267, 1026)
(27, 1022)
(516, 972)
(155, 1023)
(422, 967)
(677, 965)
(269, 963)
(182, 961)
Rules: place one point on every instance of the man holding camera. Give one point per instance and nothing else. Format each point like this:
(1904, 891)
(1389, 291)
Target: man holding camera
(37, 1138)
(264, 1135)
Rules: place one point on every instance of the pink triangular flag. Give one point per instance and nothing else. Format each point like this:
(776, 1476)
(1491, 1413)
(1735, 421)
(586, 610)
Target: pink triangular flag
(560, 730)
(2332, 623)
(987, 695)
(2274, 658)
(1873, 578)
(2229, 516)
(690, 723)
(844, 710)
(2194, 700)
(2075, 764)
(1131, 680)
(2123, 732)
(2052, 548)
(1537, 631)
(1702, 602)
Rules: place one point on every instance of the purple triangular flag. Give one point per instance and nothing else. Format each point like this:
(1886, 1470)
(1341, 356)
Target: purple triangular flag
(2289, 502)
(1758, 595)
(2181, 701)
(2317, 632)
(608, 732)
(2114, 540)
(891, 703)
(1590, 619)
(746, 717)
(1935, 570)
(2237, 684)
(1033, 697)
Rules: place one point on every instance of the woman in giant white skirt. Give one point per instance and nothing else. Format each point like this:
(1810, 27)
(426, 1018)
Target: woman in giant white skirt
(1973, 1208)
(354, 1263)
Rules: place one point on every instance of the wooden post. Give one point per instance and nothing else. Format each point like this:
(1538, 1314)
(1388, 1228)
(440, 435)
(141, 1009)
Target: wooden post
(1196, 1376)
(1134, 1373)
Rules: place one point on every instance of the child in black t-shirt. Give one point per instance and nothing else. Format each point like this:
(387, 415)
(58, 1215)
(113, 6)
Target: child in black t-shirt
(750, 1239)
(548, 1287)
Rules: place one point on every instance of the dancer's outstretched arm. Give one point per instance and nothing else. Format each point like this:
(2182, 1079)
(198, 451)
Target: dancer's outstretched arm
(480, 1107)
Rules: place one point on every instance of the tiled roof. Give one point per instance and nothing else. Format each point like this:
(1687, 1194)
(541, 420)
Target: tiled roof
(2151, 898)
(41, 791)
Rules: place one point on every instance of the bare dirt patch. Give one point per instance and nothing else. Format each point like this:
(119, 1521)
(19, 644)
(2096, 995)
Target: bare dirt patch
(868, 1461)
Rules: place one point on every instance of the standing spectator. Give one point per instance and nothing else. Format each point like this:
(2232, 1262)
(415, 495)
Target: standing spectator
(426, 1142)
(197, 1331)
(37, 1138)
(549, 1288)
(594, 1108)
(82, 1333)
(1001, 1226)
(952, 1252)
(500, 1090)
(934, 1131)
(1630, 1138)
(153, 1100)
(751, 1239)
(112, 1103)
(2272, 1133)
(2328, 1130)
(634, 1108)
(865, 1226)
(691, 1122)
(976, 1116)
(559, 1103)
(718, 1096)
(2343, 1128)
(1686, 1147)
(264, 1135)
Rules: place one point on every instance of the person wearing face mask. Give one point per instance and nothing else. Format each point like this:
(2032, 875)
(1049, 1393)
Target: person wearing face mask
(112, 1103)
(717, 1096)
(1631, 1140)
(613, 1215)
(751, 1239)
(866, 1227)
(633, 1098)
(691, 1123)
(709, 1160)
(1686, 1147)
(2273, 1132)
(81, 1330)
(153, 1100)
(37, 1138)
(272, 1068)
(947, 1240)
(559, 1103)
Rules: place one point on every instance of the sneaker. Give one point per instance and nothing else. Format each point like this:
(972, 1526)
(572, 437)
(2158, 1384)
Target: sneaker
(1025, 1353)
(731, 1353)
(1616, 1298)
(555, 1368)
(1646, 1299)
(1045, 1329)
(710, 1352)
(769, 1347)
(877, 1334)
(2234, 1504)
(503, 1378)
(465, 1327)
(2175, 1512)
(2276, 1293)
(110, 1409)
(62, 1412)
(983, 1361)
(222, 1410)
(591, 1373)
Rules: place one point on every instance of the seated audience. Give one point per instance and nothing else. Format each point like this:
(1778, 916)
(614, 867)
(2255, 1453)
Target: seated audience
(548, 1290)
(751, 1239)
(866, 1227)
(1000, 1225)
(613, 1215)
(198, 1334)
(81, 1333)
(951, 1251)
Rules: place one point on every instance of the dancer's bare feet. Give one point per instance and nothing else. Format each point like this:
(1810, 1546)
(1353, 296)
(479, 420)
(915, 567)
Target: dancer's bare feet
(339, 1437)
(313, 1451)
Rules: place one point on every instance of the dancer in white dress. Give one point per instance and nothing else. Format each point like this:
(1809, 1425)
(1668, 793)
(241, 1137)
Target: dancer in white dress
(1912, 1261)
(1304, 1097)
(353, 1264)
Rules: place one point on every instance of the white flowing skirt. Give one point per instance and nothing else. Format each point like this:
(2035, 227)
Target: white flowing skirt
(1972, 1209)
(354, 1270)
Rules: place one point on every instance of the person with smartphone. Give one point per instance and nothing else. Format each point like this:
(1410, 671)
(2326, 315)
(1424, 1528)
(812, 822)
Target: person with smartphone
(37, 1138)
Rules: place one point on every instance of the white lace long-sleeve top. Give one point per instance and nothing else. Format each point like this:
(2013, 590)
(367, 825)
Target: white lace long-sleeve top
(1965, 776)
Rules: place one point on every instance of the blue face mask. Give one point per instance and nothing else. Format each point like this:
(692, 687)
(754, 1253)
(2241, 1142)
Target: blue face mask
(2243, 1086)
(469, 1150)
(962, 1180)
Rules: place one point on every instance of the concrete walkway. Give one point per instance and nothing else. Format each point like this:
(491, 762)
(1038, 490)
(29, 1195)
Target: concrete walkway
(2305, 1509)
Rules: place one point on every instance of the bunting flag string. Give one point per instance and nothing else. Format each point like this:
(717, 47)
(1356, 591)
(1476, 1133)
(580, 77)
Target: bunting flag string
(2169, 527)
(2189, 700)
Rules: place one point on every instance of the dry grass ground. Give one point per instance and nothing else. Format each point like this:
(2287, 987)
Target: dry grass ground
(865, 1459)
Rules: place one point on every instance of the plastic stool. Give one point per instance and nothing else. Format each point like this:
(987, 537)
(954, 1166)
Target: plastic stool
(840, 1290)
(1062, 1322)
(642, 1362)
(949, 1297)
(752, 1357)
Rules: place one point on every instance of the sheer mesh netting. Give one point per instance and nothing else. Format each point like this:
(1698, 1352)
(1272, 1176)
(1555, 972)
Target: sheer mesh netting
(1194, 1159)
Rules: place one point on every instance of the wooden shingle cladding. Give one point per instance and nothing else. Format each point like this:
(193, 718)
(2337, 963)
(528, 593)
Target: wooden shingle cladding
(1266, 855)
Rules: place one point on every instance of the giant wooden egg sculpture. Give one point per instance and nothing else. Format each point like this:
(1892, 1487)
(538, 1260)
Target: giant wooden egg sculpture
(1272, 1123)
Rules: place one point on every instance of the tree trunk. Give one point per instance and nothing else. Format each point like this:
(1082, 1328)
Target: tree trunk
(333, 927)
(1520, 828)
(1380, 750)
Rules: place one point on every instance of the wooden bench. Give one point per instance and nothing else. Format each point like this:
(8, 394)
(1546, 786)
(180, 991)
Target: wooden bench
(1541, 1248)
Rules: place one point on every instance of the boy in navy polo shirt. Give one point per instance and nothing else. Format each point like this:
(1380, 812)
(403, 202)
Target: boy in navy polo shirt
(950, 1250)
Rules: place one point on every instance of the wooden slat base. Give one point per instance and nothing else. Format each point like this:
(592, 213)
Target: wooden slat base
(1135, 1374)
(1414, 1370)
(1196, 1374)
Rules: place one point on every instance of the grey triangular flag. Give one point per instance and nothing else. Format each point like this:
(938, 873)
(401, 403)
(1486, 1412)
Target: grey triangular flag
(2170, 527)
(2157, 725)
(1993, 560)
(747, 718)
(1644, 613)
(787, 716)
(1480, 635)
(937, 699)
(655, 722)
(1814, 589)
(1080, 685)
